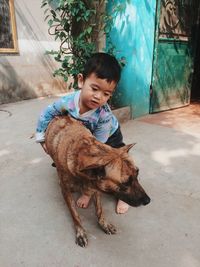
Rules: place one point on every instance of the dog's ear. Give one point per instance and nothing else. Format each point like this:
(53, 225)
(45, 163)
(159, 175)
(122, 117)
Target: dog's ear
(94, 157)
(89, 162)
(95, 173)
(127, 147)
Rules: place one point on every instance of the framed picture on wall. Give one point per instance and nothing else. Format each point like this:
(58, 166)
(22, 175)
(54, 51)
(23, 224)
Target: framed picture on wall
(8, 32)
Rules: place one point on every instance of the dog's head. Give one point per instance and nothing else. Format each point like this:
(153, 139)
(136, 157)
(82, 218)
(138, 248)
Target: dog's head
(113, 171)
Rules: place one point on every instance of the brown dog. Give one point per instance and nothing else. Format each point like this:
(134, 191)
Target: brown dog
(85, 164)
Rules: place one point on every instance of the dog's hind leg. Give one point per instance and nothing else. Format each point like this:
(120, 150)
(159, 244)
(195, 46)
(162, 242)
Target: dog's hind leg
(108, 228)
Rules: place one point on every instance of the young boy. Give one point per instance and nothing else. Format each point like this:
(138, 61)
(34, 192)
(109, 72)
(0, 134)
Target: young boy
(89, 105)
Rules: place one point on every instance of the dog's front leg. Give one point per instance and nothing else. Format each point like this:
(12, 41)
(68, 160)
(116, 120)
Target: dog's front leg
(81, 237)
(108, 228)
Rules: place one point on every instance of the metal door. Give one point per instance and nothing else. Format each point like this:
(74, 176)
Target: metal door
(173, 62)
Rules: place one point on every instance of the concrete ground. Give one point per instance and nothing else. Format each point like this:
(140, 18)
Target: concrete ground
(36, 229)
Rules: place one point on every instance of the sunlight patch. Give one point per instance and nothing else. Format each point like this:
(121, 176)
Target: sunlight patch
(4, 152)
(190, 261)
(164, 156)
(35, 161)
(130, 12)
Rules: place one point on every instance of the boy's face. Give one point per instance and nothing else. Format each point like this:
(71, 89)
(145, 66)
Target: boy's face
(95, 92)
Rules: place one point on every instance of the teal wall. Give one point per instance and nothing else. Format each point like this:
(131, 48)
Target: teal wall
(133, 36)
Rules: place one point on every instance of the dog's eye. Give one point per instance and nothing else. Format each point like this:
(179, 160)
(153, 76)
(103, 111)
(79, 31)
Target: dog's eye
(99, 172)
(122, 188)
(129, 182)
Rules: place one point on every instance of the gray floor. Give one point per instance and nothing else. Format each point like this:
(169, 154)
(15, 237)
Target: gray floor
(36, 229)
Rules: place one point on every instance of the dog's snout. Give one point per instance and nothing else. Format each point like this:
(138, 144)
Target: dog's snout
(146, 200)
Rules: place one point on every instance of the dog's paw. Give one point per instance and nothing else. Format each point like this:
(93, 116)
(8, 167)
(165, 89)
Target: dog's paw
(108, 228)
(81, 238)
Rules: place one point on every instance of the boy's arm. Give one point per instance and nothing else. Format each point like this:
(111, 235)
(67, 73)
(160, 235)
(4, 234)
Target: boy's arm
(105, 128)
(56, 109)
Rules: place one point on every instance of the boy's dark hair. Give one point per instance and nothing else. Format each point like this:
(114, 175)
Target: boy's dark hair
(104, 66)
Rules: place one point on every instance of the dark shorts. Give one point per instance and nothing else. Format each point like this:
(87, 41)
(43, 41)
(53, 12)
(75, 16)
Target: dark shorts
(116, 139)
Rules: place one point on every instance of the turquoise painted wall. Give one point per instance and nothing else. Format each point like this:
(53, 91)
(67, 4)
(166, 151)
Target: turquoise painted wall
(133, 37)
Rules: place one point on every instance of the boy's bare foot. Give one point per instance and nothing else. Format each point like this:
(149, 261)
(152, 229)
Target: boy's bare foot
(122, 207)
(83, 201)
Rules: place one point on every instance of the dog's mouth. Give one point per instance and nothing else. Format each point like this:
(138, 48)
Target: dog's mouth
(135, 198)
(133, 201)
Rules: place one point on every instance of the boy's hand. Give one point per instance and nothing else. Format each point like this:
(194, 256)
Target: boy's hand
(44, 147)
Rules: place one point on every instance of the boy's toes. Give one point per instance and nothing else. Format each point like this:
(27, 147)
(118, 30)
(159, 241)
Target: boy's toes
(122, 207)
(83, 201)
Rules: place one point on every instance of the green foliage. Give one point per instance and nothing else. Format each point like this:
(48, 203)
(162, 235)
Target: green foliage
(78, 25)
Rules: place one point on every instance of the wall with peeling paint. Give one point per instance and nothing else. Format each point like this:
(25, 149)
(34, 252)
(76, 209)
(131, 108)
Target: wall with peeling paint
(28, 74)
(133, 36)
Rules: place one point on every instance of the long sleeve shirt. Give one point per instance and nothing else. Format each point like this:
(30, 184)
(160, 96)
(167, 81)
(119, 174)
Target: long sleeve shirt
(101, 121)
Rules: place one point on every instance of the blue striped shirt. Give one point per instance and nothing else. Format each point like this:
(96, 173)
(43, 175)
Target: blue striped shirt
(101, 121)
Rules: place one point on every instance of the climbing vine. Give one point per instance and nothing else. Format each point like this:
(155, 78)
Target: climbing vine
(80, 26)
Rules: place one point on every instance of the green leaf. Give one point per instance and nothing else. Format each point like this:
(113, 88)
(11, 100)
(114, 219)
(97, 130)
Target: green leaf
(65, 78)
(75, 24)
(53, 13)
(46, 18)
(50, 22)
(89, 30)
(44, 4)
(51, 52)
(46, 10)
(56, 20)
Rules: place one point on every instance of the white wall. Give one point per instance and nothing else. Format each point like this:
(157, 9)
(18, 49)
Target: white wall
(28, 74)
